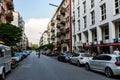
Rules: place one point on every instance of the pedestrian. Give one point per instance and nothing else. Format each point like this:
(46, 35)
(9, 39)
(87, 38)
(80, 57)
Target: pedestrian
(38, 53)
(117, 52)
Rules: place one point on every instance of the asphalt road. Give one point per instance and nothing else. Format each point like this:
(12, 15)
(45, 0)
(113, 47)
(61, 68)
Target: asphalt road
(47, 68)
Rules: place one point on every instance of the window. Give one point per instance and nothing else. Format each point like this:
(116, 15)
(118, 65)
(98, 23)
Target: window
(105, 32)
(106, 57)
(79, 35)
(78, 11)
(78, 2)
(94, 33)
(93, 17)
(84, 6)
(78, 25)
(119, 31)
(1, 53)
(75, 55)
(103, 12)
(73, 4)
(117, 6)
(84, 19)
(92, 3)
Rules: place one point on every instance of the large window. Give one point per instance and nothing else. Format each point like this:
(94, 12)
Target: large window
(78, 25)
(93, 17)
(85, 21)
(117, 6)
(78, 11)
(92, 3)
(1, 53)
(84, 6)
(105, 32)
(103, 12)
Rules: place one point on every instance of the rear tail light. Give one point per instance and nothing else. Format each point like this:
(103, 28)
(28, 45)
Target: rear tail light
(117, 63)
(81, 58)
(13, 62)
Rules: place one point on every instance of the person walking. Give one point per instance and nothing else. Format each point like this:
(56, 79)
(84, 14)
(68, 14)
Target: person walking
(39, 54)
(117, 52)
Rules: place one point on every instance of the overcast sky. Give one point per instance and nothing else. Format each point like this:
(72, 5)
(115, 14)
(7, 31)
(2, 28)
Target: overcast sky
(36, 14)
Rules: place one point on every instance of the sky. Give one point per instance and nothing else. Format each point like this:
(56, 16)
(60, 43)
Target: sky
(36, 14)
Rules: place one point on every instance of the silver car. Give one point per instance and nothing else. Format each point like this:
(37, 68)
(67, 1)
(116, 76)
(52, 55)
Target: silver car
(80, 58)
(106, 63)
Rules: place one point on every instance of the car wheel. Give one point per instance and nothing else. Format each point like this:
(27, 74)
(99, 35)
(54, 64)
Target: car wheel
(78, 63)
(2, 76)
(87, 66)
(108, 72)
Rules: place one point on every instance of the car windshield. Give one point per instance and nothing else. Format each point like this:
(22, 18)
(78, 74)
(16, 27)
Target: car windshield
(86, 55)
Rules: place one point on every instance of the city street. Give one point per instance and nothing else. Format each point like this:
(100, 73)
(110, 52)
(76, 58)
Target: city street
(47, 68)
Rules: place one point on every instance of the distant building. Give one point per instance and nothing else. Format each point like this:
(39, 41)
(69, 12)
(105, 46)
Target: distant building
(18, 21)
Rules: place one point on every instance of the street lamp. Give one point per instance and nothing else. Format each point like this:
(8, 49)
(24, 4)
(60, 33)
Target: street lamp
(53, 5)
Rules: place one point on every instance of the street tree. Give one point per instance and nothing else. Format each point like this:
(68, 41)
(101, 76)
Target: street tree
(10, 34)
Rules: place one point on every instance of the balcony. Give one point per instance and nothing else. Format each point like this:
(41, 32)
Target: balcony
(53, 37)
(58, 34)
(58, 25)
(62, 11)
(63, 32)
(10, 5)
(9, 16)
(63, 21)
(67, 30)
(52, 23)
(67, 41)
(52, 30)
(58, 17)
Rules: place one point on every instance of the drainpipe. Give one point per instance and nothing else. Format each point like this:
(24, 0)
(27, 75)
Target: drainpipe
(70, 29)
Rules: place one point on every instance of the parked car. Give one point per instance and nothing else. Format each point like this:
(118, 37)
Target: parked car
(5, 60)
(63, 57)
(80, 58)
(106, 63)
(17, 57)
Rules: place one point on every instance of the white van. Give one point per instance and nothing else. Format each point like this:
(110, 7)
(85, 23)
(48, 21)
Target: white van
(5, 60)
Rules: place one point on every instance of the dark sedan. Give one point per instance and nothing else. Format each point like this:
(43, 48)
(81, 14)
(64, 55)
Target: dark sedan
(63, 57)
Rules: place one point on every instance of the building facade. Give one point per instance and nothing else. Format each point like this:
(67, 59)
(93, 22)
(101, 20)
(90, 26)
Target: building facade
(18, 21)
(6, 9)
(59, 27)
(96, 25)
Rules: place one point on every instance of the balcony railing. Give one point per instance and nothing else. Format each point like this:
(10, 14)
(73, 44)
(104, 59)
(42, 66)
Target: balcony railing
(58, 17)
(9, 16)
(58, 34)
(10, 5)
(58, 25)
(62, 11)
(67, 30)
(66, 40)
(63, 21)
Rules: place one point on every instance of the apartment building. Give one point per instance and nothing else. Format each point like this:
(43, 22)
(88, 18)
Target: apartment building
(96, 25)
(19, 22)
(6, 9)
(59, 27)
(44, 38)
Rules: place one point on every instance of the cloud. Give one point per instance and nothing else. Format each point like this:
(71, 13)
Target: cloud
(33, 28)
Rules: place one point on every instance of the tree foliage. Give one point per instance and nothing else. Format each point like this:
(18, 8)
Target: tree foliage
(47, 46)
(10, 34)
